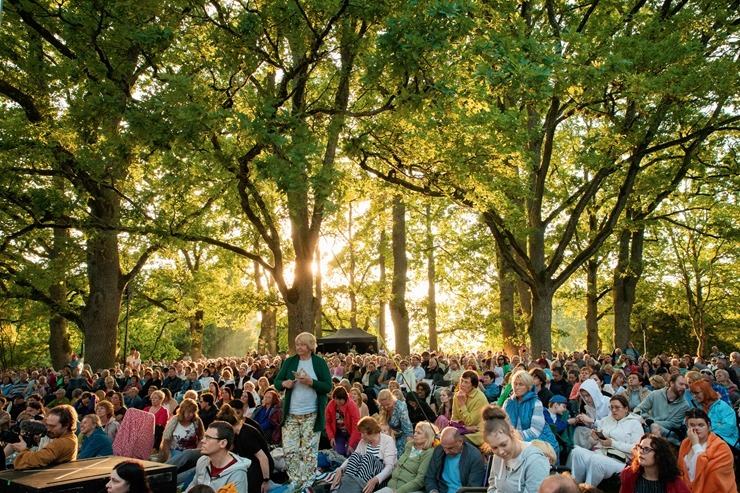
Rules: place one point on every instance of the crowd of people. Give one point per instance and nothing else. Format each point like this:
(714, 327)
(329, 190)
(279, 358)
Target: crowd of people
(431, 422)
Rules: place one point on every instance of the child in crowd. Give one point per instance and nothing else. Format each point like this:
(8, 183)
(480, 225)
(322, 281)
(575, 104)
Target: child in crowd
(559, 420)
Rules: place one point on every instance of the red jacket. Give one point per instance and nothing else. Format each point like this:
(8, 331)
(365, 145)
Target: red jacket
(629, 481)
(351, 416)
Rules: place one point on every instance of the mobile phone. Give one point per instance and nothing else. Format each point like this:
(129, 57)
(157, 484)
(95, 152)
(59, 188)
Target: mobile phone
(600, 435)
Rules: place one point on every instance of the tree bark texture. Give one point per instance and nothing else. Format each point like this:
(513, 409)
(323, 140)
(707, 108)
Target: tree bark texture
(399, 312)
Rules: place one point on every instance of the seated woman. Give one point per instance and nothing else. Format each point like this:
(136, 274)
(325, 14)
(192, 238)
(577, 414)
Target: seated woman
(526, 412)
(357, 398)
(722, 416)
(183, 431)
(408, 476)
(161, 416)
(108, 421)
(704, 458)
(419, 409)
(595, 408)
(653, 468)
(269, 415)
(466, 407)
(444, 415)
(394, 413)
(372, 462)
(517, 465)
(621, 431)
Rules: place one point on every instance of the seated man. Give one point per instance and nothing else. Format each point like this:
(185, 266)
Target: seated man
(208, 409)
(663, 410)
(61, 421)
(218, 467)
(454, 464)
(95, 441)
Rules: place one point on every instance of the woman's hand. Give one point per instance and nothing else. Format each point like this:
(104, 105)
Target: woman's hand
(287, 384)
(461, 397)
(370, 486)
(333, 443)
(337, 478)
(692, 436)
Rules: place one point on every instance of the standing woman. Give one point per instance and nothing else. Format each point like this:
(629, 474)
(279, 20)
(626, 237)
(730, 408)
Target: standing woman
(307, 383)
(704, 458)
(654, 468)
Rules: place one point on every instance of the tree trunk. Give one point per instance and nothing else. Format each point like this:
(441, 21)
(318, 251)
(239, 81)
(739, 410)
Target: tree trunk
(592, 306)
(352, 266)
(300, 301)
(626, 275)
(399, 313)
(432, 280)
(383, 304)
(506, 294)
(59, 347)
(267, 342)
(268, 332)
(540, 323)
(196, 335)
(319, 295)
(103, 306)
(106, 284)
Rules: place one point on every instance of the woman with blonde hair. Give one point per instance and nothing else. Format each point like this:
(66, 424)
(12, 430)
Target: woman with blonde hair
(306, 379)
(412, 466)
(526, 412)
(161, 415)
(357, 398)
(183, 431)
(395, 414)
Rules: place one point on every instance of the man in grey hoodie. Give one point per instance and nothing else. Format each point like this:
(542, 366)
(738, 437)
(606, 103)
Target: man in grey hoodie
(218, 467)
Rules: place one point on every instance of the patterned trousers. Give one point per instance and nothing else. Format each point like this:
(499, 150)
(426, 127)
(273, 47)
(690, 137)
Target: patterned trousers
(301, 448)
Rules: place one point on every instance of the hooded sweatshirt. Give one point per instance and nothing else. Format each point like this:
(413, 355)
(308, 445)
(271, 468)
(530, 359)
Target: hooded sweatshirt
(236, 473)
(521, 475)
(600, 408)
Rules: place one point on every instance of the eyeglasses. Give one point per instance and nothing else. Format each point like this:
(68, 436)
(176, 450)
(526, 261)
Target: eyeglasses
(208, 437)
(644, 450)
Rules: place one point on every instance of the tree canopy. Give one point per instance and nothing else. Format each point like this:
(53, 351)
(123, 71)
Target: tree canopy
(259, 165)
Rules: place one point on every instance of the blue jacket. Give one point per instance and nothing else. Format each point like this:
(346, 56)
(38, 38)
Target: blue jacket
(724, 422)
(528, 417)
(97, 444)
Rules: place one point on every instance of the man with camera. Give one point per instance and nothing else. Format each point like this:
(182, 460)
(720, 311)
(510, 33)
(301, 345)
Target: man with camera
(61, 421)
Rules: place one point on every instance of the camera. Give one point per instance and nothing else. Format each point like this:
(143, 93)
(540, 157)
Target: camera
(28, 429)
